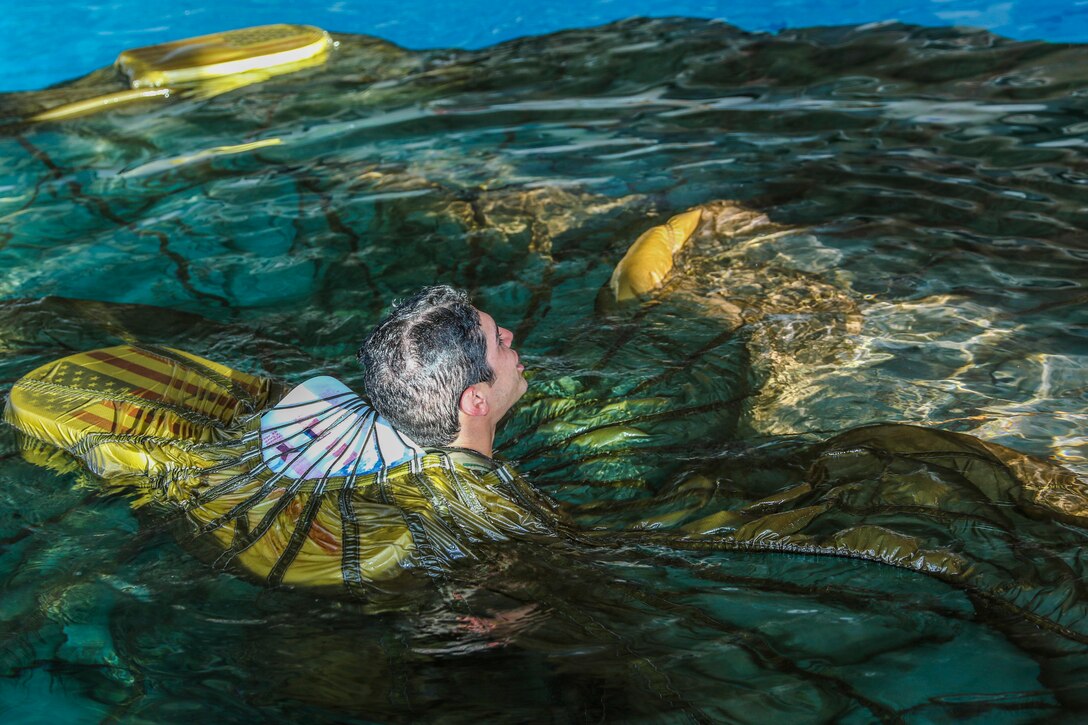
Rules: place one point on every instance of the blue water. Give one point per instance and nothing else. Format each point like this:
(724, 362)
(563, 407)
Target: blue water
(47, 43)
(928, 265)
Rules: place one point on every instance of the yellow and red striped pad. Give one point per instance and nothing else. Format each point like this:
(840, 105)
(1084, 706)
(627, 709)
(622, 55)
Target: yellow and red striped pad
(134, 392)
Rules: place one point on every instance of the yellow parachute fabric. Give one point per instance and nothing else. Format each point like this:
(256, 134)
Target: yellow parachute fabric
(418, 518)
(650, 258)
(184, 431)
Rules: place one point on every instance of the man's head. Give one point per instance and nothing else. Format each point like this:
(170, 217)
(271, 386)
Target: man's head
(435, 359)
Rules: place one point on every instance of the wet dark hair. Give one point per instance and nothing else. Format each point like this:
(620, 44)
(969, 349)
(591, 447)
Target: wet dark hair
(419, 360)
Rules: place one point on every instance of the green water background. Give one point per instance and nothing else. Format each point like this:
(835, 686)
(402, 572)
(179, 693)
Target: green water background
(929, 181)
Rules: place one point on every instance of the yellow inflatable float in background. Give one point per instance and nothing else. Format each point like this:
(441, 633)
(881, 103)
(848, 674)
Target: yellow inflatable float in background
(207, 65)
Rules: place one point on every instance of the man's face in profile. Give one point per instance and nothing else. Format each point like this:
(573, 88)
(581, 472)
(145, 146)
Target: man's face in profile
(509, 383)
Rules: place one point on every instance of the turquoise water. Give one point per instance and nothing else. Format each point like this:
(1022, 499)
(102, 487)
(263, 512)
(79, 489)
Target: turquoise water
(54, 42)
(922, 260)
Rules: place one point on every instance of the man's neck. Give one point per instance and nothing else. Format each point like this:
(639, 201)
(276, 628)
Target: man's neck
(476, 434)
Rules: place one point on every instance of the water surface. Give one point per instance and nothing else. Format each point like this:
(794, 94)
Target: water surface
(917, 255)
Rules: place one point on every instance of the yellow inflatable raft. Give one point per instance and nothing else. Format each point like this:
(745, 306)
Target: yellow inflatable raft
(206, 66)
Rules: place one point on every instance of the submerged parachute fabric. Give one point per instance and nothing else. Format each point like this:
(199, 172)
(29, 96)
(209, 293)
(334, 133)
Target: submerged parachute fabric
(371, 534)
(973, 514)
(307, 493)
(967, 512)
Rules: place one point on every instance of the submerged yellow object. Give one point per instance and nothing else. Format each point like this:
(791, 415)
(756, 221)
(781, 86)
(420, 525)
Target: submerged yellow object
(266, 488)
(90, 105)
(649, 260)
(159, 165)
(126, 409)
(270, 48)
(206, 66)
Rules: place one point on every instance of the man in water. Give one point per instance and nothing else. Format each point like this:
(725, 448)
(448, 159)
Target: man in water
(297, 509)
(443, 372)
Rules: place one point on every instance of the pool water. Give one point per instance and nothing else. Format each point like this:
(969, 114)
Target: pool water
(922, 259)
(54, 42)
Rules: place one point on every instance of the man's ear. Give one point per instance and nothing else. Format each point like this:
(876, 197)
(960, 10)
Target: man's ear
(473, 402)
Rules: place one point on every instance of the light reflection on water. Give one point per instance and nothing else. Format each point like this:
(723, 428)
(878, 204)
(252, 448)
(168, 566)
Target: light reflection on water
(922, 260)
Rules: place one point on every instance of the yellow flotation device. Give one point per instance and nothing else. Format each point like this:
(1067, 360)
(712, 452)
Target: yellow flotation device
(269, 48)
(206, 65)
(134, 410)
(650, 259)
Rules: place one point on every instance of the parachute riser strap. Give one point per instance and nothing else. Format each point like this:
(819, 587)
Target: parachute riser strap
(305, 521)
(464, 491)
(437, 501)
(237, 482)
(350, 566)
(285, 499)
(346, 411)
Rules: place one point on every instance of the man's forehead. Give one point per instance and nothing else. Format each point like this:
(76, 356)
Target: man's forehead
(487, 322)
